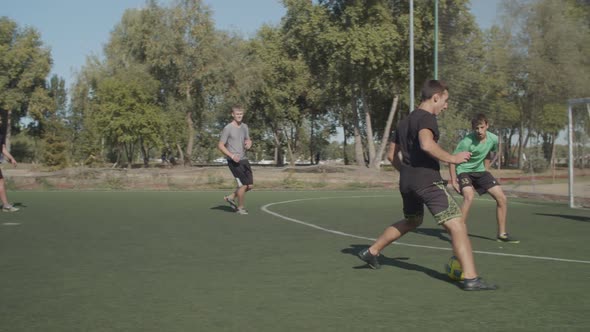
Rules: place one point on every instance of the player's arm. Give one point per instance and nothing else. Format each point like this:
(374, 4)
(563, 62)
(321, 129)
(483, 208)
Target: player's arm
(393, 156)
(225, 151)
(462, 146)
(429, 145)
(8, 155)
(488, 161)
(247, 141)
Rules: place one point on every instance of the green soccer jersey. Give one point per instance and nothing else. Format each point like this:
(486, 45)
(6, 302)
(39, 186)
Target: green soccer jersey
(479, 151)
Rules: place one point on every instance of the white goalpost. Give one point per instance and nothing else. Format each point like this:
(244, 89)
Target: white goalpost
(570, 133)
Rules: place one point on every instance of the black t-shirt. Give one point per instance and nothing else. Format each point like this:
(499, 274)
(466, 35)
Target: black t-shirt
(419, 169)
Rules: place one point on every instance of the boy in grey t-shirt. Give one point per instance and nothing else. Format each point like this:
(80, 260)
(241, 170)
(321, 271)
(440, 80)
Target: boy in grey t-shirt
(234, 141)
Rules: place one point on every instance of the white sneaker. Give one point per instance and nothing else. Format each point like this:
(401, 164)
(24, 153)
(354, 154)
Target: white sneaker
(9, 208)
(241, 211)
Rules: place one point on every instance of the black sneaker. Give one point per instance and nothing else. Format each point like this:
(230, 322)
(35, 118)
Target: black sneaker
(370, 259)
(506, 238)
(477, 284)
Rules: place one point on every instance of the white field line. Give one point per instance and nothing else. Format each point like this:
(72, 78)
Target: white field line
(265, 209)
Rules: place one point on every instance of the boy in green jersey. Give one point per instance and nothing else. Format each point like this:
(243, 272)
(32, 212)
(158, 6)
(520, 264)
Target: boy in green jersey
(473, 175)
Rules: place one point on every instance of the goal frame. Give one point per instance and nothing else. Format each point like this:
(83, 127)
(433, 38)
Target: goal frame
(570, 144)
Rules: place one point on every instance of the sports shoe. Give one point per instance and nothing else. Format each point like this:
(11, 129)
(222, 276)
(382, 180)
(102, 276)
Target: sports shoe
(506, 239)
(370, 259)
(241, 211)
(231, 202)
(9, 208)
(477, 284)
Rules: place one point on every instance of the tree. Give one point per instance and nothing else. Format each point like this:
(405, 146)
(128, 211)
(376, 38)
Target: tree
(127, 112)
(24, 64)
(549, 44)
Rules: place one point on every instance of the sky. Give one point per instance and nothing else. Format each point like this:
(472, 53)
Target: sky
(75, 29)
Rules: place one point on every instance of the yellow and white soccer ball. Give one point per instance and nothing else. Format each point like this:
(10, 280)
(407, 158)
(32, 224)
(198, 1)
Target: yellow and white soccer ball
(453, 269)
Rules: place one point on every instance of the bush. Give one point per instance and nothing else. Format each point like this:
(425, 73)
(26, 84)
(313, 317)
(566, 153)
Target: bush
(22, 148)
(538, 164)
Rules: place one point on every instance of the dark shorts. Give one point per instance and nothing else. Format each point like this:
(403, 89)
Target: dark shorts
(1, 176)
(480, 181)
(436, 198)
(241, 171)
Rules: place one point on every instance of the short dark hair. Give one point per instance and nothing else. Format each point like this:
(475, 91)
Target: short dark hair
(432, 87)
(477, 119)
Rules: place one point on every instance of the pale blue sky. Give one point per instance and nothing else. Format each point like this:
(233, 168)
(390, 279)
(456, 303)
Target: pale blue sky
(74, 29)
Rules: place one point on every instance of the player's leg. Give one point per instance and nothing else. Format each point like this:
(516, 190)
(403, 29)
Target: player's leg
(394, 232)
(501, 213)
(501, 207)
(468, 193)
(447, 213)
(414, 214)
(5, 205)
(230, 199)
(468, 197)
(461, 245)
(241, 193)
(247, 183)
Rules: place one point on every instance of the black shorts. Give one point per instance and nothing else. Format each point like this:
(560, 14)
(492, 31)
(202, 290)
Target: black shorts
(438, 200)
(480, 181)
(1, 176)
(241, 171)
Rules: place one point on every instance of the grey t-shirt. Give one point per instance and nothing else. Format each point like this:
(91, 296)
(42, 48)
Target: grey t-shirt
(233, 137)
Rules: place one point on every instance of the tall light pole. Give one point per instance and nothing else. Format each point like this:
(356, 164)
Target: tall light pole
(411, 55)
(436, 39)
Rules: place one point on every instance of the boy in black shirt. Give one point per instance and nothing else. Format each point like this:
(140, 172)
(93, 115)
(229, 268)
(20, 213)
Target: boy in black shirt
(415, 153)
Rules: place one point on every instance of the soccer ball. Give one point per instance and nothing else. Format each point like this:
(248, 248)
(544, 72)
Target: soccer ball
(453, 269)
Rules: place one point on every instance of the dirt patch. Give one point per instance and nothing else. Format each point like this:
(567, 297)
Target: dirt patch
(549, 186)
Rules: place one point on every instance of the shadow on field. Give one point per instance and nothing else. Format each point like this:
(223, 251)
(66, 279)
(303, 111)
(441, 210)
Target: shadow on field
(224, 208)
(443, 235)
(399, 262)
(565, 216)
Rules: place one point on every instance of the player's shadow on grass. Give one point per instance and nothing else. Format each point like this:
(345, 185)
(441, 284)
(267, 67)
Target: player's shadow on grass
(443, 235)
(434, 232)
(399, 262)
(224, 208)
(565, 216)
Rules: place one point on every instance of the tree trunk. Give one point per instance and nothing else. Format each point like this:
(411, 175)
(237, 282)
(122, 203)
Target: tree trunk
(358, 143)
(344, 141)
(180, 153)
(552, 160)
(144, 153)
(289, 149)
(191, 130)
(311, 138)
(8, 129)
(369, 126)
(129, 154)
(376, 161)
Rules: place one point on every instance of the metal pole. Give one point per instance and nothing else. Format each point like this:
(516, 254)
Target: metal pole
(411, 55)
(436, 39)
(570, 138)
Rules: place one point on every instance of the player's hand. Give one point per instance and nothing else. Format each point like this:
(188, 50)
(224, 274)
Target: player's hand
(461, 157)
(248, 143)
(455, 185)
(13, 162)
(235, 157)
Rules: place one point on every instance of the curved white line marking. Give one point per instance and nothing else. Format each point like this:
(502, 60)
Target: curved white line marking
(265, 209)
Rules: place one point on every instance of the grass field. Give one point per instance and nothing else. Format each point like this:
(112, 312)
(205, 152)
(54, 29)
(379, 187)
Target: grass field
(182, 261)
